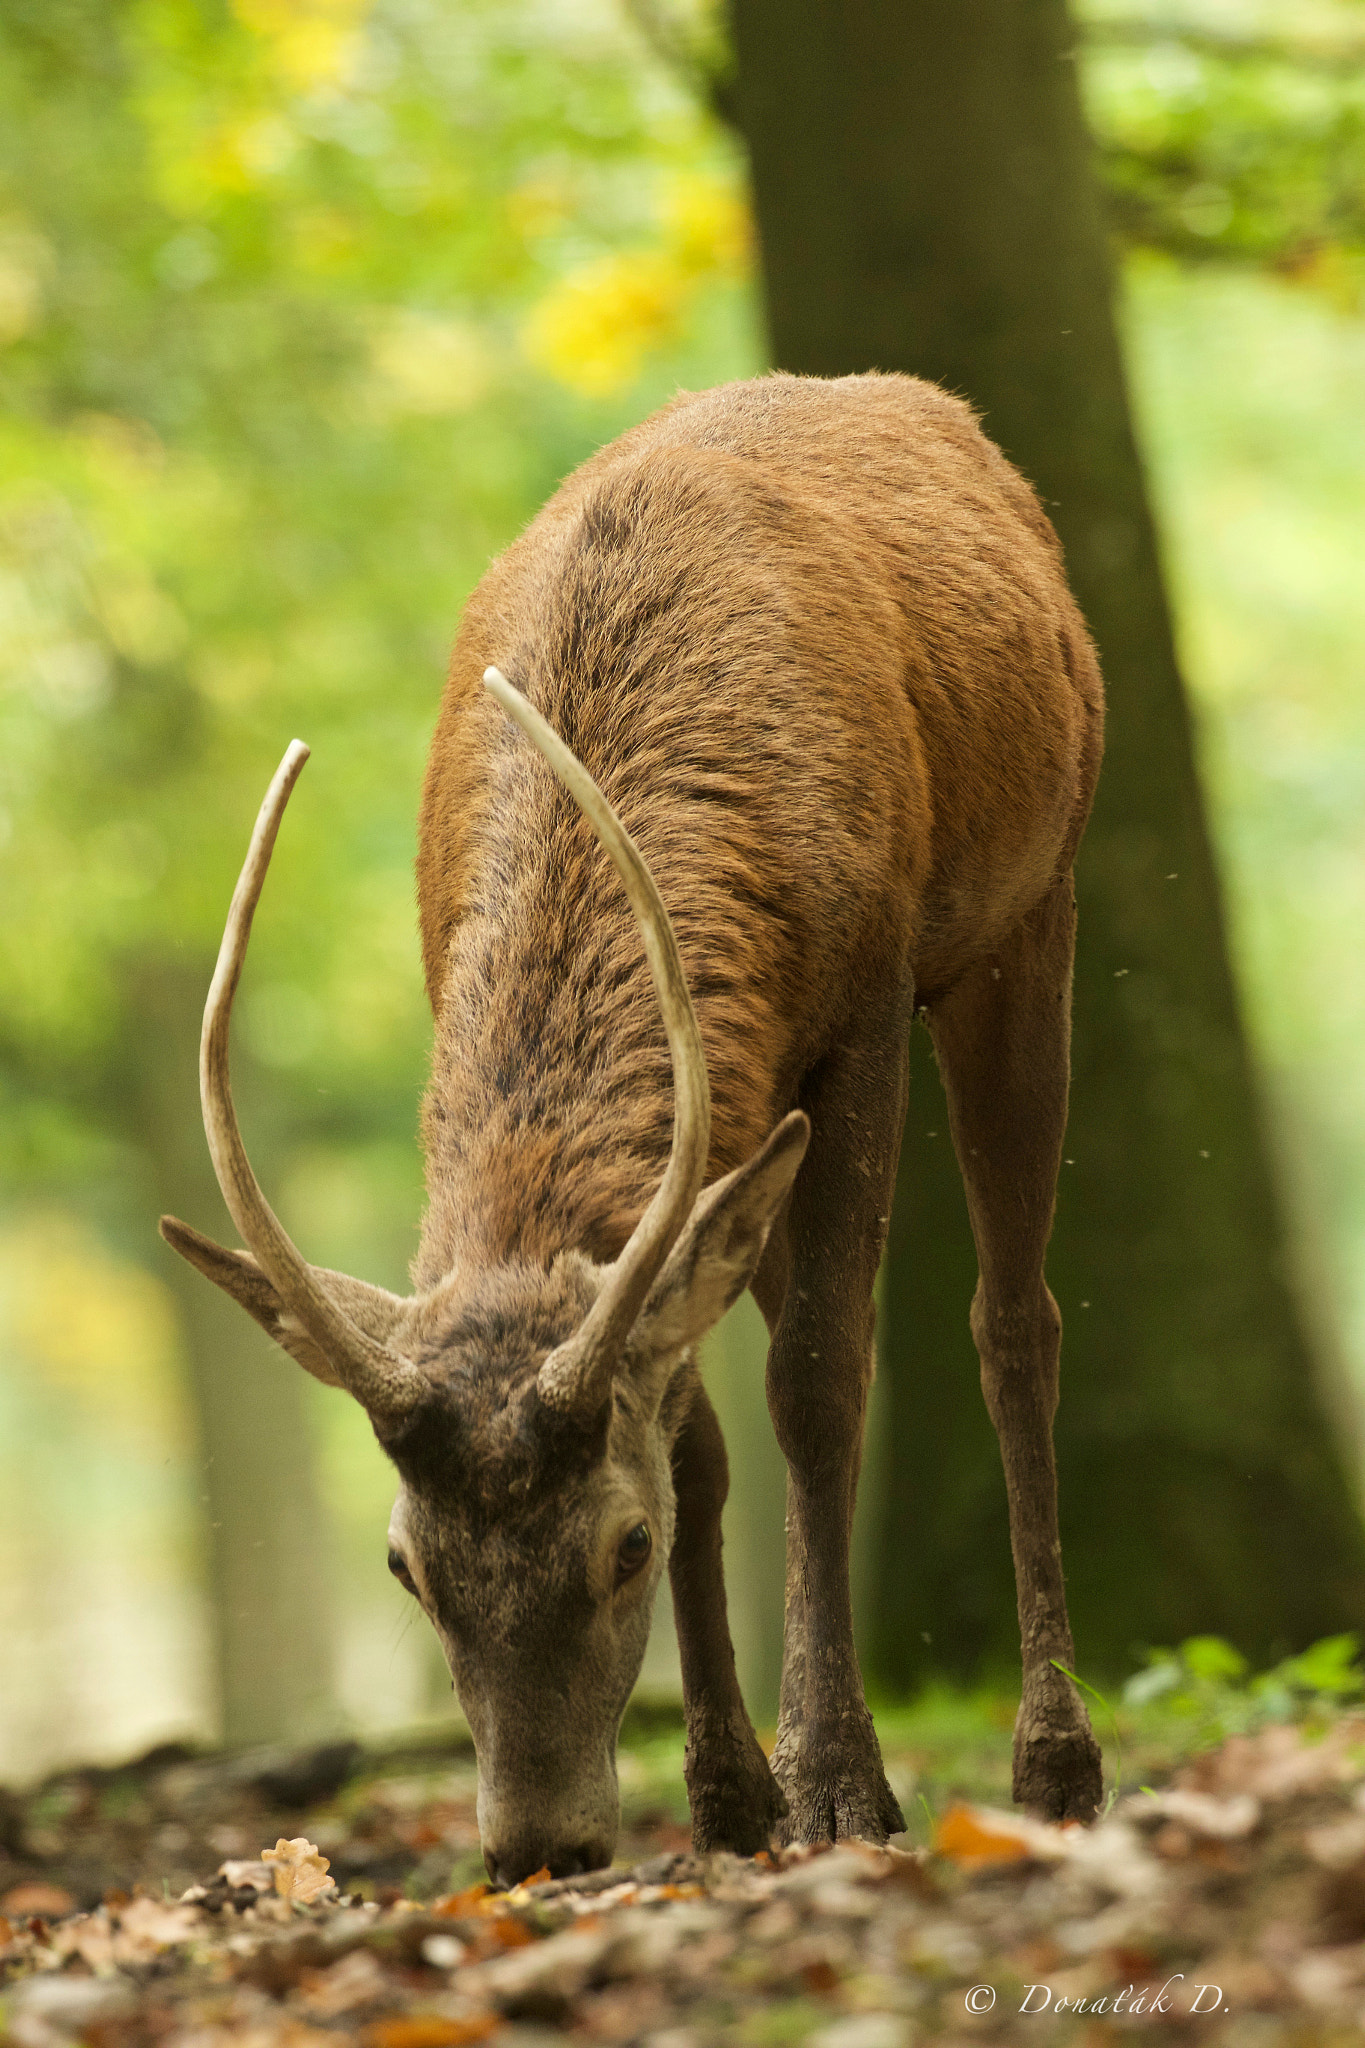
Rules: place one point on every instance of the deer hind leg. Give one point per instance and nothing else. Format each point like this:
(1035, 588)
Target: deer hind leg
(1002, 1037)
(815, 1288)
(733, 1796)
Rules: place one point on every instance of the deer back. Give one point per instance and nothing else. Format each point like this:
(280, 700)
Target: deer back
(814, 642)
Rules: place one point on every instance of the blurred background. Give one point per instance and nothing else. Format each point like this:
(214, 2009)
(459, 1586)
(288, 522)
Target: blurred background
(305, 307)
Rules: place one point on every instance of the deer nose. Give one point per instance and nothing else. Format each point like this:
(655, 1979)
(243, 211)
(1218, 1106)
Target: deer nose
(508, 1868)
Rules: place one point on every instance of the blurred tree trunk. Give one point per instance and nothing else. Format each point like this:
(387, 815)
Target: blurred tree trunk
(926, 203)
(271, 1618)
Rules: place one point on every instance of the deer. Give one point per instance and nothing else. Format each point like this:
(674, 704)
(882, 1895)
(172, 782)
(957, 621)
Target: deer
(777, 728)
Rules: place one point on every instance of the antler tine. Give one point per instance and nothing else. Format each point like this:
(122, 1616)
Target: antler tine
(580, 1369)
(387, 1385)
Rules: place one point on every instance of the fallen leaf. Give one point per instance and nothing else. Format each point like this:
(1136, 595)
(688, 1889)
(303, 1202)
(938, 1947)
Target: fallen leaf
(1278, 1762)
(130, 1934)
(1225, 1819)
(354, 1981)
(55, 2007)
(506, 1932)
(37, 1901)
(969, 1835)
(1338, 1843)
(1124, 1962)
(300, 1870)
(468, 1904)
(428, 2030)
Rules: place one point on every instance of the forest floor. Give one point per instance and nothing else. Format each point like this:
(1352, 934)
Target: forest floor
(1221, 1898)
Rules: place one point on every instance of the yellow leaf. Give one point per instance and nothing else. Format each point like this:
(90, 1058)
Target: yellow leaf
(707, 225)
(593, 329)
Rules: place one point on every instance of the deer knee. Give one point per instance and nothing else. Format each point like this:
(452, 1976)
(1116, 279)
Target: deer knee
(1019, 1344)
(817, 1386)
(701, 1469)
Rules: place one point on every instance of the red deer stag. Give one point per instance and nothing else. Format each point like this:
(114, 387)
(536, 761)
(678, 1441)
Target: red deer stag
(798, 661)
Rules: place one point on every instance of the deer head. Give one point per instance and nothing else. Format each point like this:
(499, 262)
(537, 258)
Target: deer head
(530, 1411)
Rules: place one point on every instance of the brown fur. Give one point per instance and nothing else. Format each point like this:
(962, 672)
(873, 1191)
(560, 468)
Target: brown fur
(815, 643)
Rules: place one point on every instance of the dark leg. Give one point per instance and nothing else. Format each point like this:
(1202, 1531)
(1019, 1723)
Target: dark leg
(1003, 1041)
(735, 1800)
(816, 1291)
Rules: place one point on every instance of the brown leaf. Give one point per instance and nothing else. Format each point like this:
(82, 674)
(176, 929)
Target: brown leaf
(505, 1932)
(970, 1836)
(130, 1934)
(354, 1981)
(428, 2030)
(1279, 1762)
(1222, 1819)
(37, 1900)
(474, 1900)
(300, 1871)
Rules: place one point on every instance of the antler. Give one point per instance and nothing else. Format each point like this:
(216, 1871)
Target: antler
(386, 1384)
(580, 1370)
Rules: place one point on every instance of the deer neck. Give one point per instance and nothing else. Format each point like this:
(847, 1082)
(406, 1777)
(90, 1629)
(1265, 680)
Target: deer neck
(549, 1115)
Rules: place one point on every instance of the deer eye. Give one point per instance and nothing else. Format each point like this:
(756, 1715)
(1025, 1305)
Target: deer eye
(634, 1551)
(401, 1572)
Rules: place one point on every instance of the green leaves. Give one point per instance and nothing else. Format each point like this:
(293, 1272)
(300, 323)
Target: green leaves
(264, 275)
(1209, 1683)
(1234, 147)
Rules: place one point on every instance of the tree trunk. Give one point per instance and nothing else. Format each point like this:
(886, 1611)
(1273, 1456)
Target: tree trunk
(266, 1548)
(926, 204)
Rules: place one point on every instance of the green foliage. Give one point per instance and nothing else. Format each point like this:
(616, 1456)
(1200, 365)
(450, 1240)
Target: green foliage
(266, 272)
(305, 307)
(1208, 1687)
(1236, 137)
(1237, 147)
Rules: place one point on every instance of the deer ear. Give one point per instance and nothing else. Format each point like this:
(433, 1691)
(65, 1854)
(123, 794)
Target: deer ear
(721, 1244)
(373, 1309)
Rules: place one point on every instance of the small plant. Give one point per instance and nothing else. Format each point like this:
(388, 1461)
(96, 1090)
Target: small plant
(1117, 1785)
(1209, 1683)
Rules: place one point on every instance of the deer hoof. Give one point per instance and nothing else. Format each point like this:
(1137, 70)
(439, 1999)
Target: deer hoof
(836, 1791)
(1057, 1773)
(736, 1803)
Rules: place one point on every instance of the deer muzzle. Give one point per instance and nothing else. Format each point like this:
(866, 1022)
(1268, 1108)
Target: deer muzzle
(558, 1812)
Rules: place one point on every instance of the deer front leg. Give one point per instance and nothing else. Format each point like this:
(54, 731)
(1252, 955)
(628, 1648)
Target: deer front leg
(815, 1288)
(1003, 1042)
(734, 1799)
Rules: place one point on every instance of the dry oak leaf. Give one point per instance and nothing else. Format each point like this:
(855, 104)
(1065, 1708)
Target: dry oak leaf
(300, 1870)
